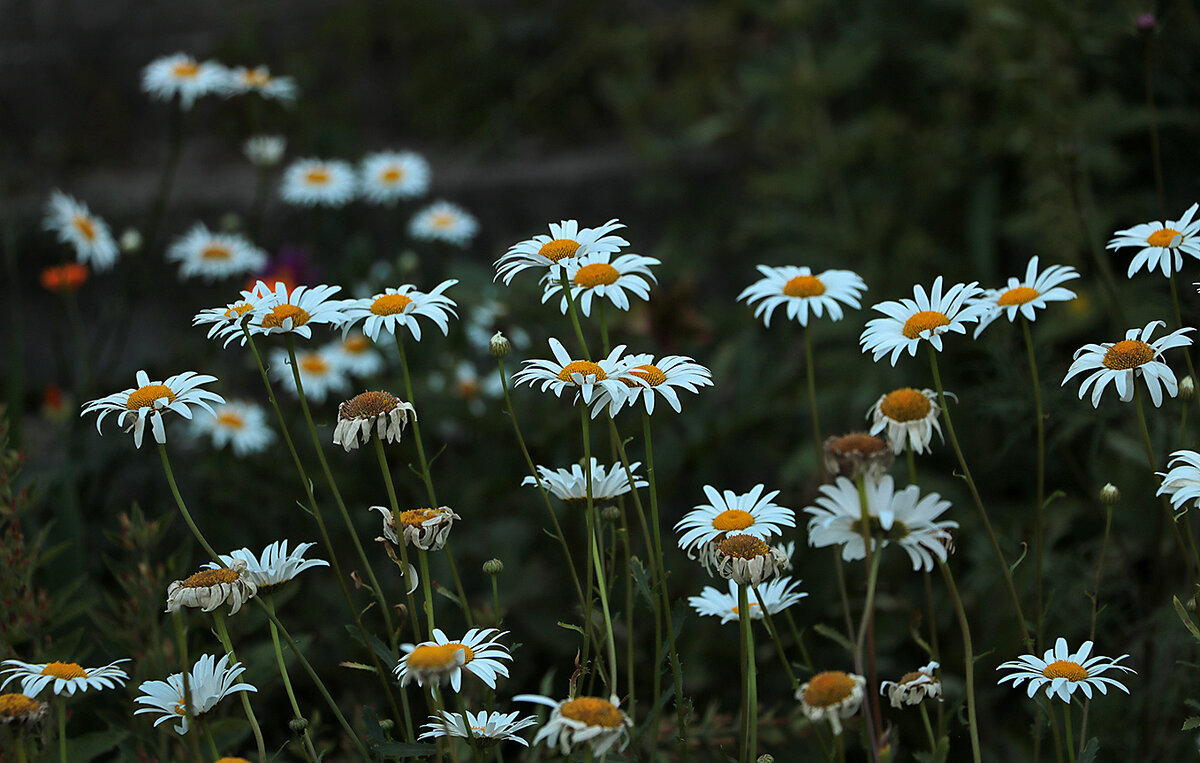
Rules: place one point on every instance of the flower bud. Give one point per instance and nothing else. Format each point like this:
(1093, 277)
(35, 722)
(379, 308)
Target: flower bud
(131, 241)
(1109, 495)
(499, 346)
(386, 724)
(493, 567)
(766, 758)
(610, 513)
(298, 725)
(1187, 389)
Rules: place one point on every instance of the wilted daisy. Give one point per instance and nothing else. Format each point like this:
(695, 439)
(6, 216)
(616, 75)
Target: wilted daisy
(62, 677)
(570, 485)
(592, 721)
(777, 595)
(566, 241)
(596, 275)
(318, 182)
(902, 517)
(210, 588)
(802, 292)
(925, 317)
(149, 400)
(913, 688)
(1162, 244)
(356, 354)
(831, 696)
(652, 378)
(443, 221)
(320, 373)
(380, 412)
(910, 417)
(183, 76)
(265, 150)
(1182, 480)
(227, 321)
(278, 310)
(201, 252)
(586, 378)
(87, 234)
(241, 424)
(479, 653)
(21, 710)
(273, 568)
(746, 559)
(482, 729)
(399, 308)
(1122, 362)
(388, 176)
(750, 513)
(259, 80)
(427, 529)
(1027, 295)
(1062, 672)
(210, 681)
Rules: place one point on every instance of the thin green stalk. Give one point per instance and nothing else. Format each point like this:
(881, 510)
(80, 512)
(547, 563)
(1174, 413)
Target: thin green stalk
(1048, 709)
(934, 651)
(840, 744)
(177, 619)
(912, 465)
(61, 704)
(22, 756)
(208, 737)
(427, 589)
(604, 343)
(1039, 530)
(597, 559)
(928, 729)
(1069, 732)
(866, 631)
(1108, 512)
(751, 674)
(770, 623)
(223, 635)
(566, 286)
(860, 646)
(309, 751)
(968, 659)
(799, 637)
(183, 510)
(381, 457)
(810, 373)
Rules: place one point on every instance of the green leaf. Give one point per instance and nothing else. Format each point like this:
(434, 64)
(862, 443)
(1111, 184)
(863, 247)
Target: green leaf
(1024, 550)
(1089, 751)
(397, 750)
(1191, 723)
(570, 627)
(834, 635)
(90, 746)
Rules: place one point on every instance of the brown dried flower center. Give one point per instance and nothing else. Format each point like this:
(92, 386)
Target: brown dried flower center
(368, 405)
(858, 442)
(743, 546)
(18, 705)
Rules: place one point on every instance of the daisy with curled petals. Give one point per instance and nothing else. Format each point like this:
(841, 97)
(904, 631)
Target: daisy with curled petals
(1062, 672)
(388, 176)
(592, 721)
(479, 653)
(443, 221)
(803, 292)
(1026, 295)
(210, 588)
(913, 688)
(427, 529)
(181, 75)
(400, 308)
(570, 485)
(777, 595)
(750, 513)
(902, 517)
(747, 559)
(594, 275)
(356, 355)
(200, 252)
(278, 310)
(925, 317)
(21, 711)
(240, 424)
(1162, 244)
(87, 234)
(259, 80)
(566, 241)
(62, 677)
(227, 321)
(1123, 362)
(831, 696)
(319, 373)
(374, 411)
(318, 182)
(482, 730)
(586, 378)
(1182, 480)
(273, 568)
(151, 399)
(210, 681)
(910, 417)
(652, 378)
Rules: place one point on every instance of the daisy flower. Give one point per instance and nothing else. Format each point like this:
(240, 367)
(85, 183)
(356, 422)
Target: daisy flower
(1026, 295)
(746, 559)
(777, 595)
(319, 373)
(400, 308)
(276, 310)
(388, 176)
(21, 710)
(259, 80)
(201, 252)
(227, 321)
(1162, 244)
(1062, 672)
(427, 529)
(566, 241)
(596, 275)
(925, 317)
(87, 234)
(1182, 479)
(570, 485)
(181, 75)
(62, 677)
(240, 424)
(913, 688)
(659, 377)
(318, 182)
(1123, 362)
(482, 729)
(210, 588)
(903, 517)
(592, 721)
(149, 400)
(273, 568)
(750, 513)
(443, 221)
(585, 377)
(265, 150)
(831, 696)
(479, 653)
(356, 355)
(469, 386)
(210, 681)
(802, 291)
(381, 412)
(910, 417)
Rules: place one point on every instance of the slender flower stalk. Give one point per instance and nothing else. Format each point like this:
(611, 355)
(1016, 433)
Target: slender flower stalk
(297, 716)
(810, 373)
(1039, 541)
(571, 310)
(394, 504)
(177, 617)
(787, 665)
(60, 709)
(1067, 725)
(968, 660)
(749, 674)
(597, 559)
(866, 629)
(223, 635)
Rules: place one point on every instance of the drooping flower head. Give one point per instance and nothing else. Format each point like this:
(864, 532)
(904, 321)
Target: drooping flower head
(427, 529)
(183, 76)
(1062, 672)
(210, 681)
(831, 696)
(598, 275)
(747, 559)
(910, 417)
(400, 308)
(276, 565)
(597, 723)
(926, 317)
(565, 242)
(802, 293)
(915, 687)
(1162, 244)
(86, 233)
(1123, 362)
(479, 653)
(62, 677)
(210, 588)
(150, 400)
(380, 412)
(1026, 295)
(22, 711)
(857, 453)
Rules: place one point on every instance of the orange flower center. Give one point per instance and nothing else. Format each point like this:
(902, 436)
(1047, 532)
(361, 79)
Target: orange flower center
(280, 313)
(64, 670)
(926, 320)
(313, 364)
(651, 373)
(804, 286)
(1163, 237)
(593, 711)
(368, 405)
(216, 252)
(391, 175)
(1128, 353)
(828, 689)
(416, 517)
(753, 604)
(85, 226)
(558, 249)
(596, 274)
(905, 404)
(186, 69)
(145, 396)
(743, 546)
(732, 519)
(390, 304)
(585, 367)
(433, 657)
(1018, 296)
(256, 78)
(318, 176)
(356, 344)
(210, 578)
(1072, 671)
(18, 705)
(231, 420)
(466, 650)
(240, 309)
(442, 220)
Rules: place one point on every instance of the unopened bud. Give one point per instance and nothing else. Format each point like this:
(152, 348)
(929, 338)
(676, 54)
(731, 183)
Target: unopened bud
(493, 567)
(386, 725)
(131, 241)
(610, 513)
(298, 725)
(1187, 389)
(499, 346)
(766, 758)
(1109, 495)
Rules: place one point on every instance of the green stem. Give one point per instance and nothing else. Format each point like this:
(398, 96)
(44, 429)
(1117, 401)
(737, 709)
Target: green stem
(860, 647)
(770, 623)
(309, 752)
(427, 589)
(566, 285)
(597, 559)
(866, 633)
(183, 510)
(928, 729)
(810, 372)
(381, 457)
(1069, 732)
(751, 674)
(208, 737)
(968, 659)
(223, 634)
(1039, 539)
(1185, 541)
(1099, 568)
(604, 343)
(1049, 711)
(177, 619)
(912, 465)
(22, 756)
(62, 729)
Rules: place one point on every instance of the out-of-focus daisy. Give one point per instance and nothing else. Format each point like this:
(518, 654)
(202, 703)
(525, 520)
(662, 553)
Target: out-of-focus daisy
(831, 696)
(240, 424)
(482, 729)
(1162, 244)
(318, 182)
(149, 400)
(427, 529)
(62, 677)
(913, 688)
(280, 310)
(586, 378)
(570, 485)
(259, 80)
(265, 150)
(751, 513)
(746, 559)
(443, 221)
(273, 568)
(21, 710)
(595, 275)
(592, 721)
(400, 308)
(565, 242)
(657, 377)
(479, 653)
(319, 373)
(902, 517)
(802, 292)
(63, 279)
(201, 252)
(910, 417)
(925, 317)
(1182, 480)
(210, 681)
(1027, 295)
(1123, 362)
(388, 176)
(87, 234)
(470, 387)
(356, 354)
(485, 319)
(777, 595)
(210, 588)
(183, 76)
(1062, 672)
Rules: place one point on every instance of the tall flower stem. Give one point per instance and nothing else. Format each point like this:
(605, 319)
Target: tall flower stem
(810, 373)
(426, 589)
(566, 285)
(177, 618)
(928, 729)
(1039, 528)
(1186, 543)
(1069, 732)
(223, 634)
(1108, 511)
(968, 659)
(867, 627)
(297, 716)
(860, 647)
(183, 510)
(381, 456)
(61, 710)
(750, 676)
(770, 623)
(597, 558)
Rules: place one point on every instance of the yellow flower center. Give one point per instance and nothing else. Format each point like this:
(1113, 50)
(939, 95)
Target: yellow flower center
(804, 286)
(596, 274)
(256, 78)
(233, 760)
(466, 650)
(186, 69)
(314, 364)
(585, 367)
(216, 252)
(743, 546)
(828, 689)
(1072, 671)
(391, 175)
(926, 320)
(85, 226)
(442, 220)
(145, 396)
(415, 517)
(651, 373)
(593, 711)
(368, 405)
(905, 404)
(1018, 296)
(558, 249)
(356, 344)
(857, 442)
(753, 604)
(732, 519)
(240, 309)
(64, 670)
(281, 313)
(390, 304)
(231, 420)
(210, 578)
(432, 657)
(1128, 353)
(318, 176)
(18, 705)
(180, 710)
(1163, 237)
